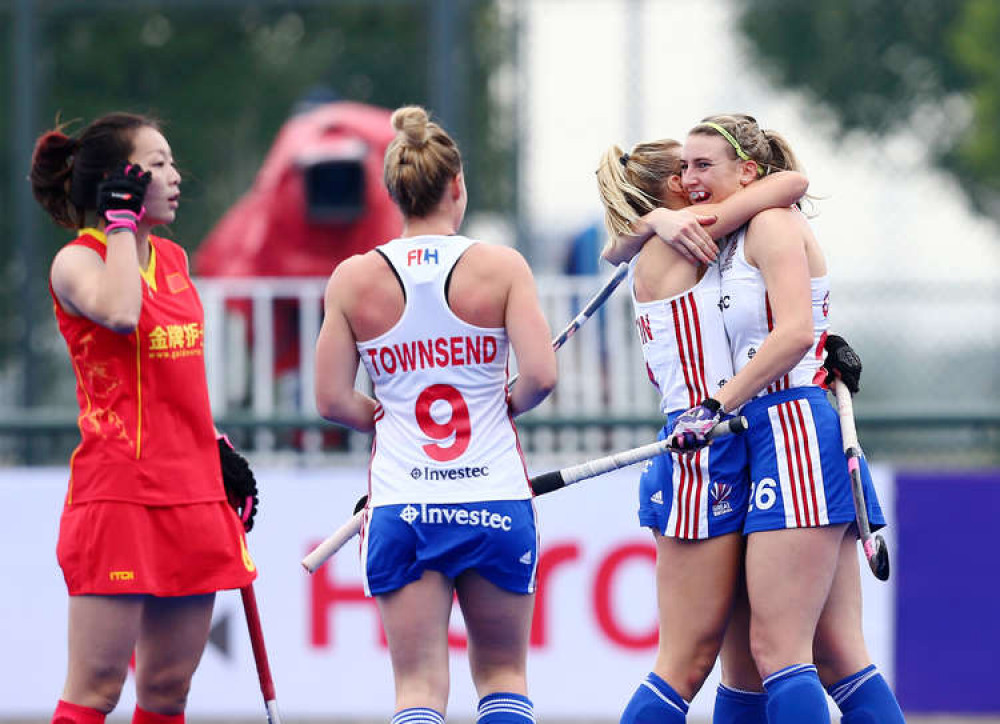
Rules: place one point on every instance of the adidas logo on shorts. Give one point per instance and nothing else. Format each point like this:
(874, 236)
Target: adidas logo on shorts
(657, 497)
(526, 558)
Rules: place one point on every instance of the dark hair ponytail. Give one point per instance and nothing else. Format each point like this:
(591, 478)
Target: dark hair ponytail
(51, 167)
(65, 170)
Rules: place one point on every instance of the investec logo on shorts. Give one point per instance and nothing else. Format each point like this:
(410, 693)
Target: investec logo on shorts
(462, 473)
(435, 515)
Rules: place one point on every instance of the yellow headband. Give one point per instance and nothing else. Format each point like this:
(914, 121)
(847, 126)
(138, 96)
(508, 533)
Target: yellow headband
(735, 144)
(729, 137)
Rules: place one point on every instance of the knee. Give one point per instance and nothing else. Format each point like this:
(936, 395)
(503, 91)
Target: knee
(687, 669)
(100, 687)
(837, 657)
(702, 661)
(771, 651)
(162, 692)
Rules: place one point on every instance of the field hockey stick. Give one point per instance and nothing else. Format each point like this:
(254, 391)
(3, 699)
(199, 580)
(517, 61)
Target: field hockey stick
(540, 485)
(588, 310)
(556, 479)
(876, 551)
(260, 653)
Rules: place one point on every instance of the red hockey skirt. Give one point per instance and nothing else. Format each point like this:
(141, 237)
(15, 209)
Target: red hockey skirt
(110, 547)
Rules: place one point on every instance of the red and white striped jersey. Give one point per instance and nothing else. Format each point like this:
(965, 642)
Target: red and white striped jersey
(747, 313)
(684, 342)
(443, 433)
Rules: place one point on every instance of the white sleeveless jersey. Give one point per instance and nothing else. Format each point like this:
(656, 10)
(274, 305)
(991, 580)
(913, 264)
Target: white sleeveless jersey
(684, 342)
(747, 312)
(443, 434)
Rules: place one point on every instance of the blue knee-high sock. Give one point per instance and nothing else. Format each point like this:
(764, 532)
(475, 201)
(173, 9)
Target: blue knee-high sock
(418, 715)
(505, 708)
(865, 698)
(735, 706)
(795, 696)
(655, 702)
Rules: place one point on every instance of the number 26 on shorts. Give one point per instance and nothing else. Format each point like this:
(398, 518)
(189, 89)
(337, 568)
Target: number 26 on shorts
(762, 494)
(452, 432)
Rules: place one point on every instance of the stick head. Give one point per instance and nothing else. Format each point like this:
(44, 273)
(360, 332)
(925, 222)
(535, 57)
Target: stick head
(878, 559)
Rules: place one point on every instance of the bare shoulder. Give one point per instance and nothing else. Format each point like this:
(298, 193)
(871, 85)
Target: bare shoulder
(775, 219)
(496, 259)
(352, 274)
(70, 261)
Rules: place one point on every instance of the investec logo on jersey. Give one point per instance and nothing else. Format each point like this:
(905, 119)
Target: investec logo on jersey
(468, 471)
(429, 353)
(421, 256)
(435, 515)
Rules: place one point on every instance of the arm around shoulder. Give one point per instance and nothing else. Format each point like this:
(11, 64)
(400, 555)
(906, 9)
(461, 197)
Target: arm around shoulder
(775, 191)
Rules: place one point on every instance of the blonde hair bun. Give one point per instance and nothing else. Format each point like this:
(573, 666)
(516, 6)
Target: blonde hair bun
(411, 123)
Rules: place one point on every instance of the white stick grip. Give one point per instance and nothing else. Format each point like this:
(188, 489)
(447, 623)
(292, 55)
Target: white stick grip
(845, 408)
(593, 468)
(333, 543)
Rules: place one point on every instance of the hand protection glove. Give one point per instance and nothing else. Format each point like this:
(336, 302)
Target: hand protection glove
(691, 429)
(239, 482)
(841, 362)
(120, 197)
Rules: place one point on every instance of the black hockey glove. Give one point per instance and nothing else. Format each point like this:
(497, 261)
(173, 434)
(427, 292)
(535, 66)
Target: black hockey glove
(240, 484)
(842, 362)
(120, 197)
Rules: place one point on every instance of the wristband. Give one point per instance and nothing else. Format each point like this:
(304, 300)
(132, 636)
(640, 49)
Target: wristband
(119, 219)
(713, 405)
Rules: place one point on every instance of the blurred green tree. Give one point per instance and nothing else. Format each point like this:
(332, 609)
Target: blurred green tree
(224, 76)
(928, 66)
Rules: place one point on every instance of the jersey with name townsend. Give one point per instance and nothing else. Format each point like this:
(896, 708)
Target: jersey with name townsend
(749, 319)
(684, 342)
(443, 434)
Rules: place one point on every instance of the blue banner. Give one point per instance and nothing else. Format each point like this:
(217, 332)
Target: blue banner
(947, 580)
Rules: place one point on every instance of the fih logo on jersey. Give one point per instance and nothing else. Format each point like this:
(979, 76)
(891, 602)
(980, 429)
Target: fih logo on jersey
(421, 256)
(720, 493)
(446, 515)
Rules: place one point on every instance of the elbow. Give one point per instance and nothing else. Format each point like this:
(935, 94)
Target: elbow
(328, 408)
(802, 342)
(542, 382)
(124, 323)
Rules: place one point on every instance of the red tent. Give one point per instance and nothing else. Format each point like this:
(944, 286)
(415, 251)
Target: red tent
(317, 199)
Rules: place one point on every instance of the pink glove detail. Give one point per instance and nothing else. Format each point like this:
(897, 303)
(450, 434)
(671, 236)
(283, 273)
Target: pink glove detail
(119, 219)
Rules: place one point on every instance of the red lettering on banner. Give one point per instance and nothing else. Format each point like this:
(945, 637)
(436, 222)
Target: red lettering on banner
(548, 561)
(604, 588)
(325, 594)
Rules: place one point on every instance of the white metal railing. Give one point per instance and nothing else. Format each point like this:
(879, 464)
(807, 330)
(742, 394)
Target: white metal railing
(926, 346)
(601, 373)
